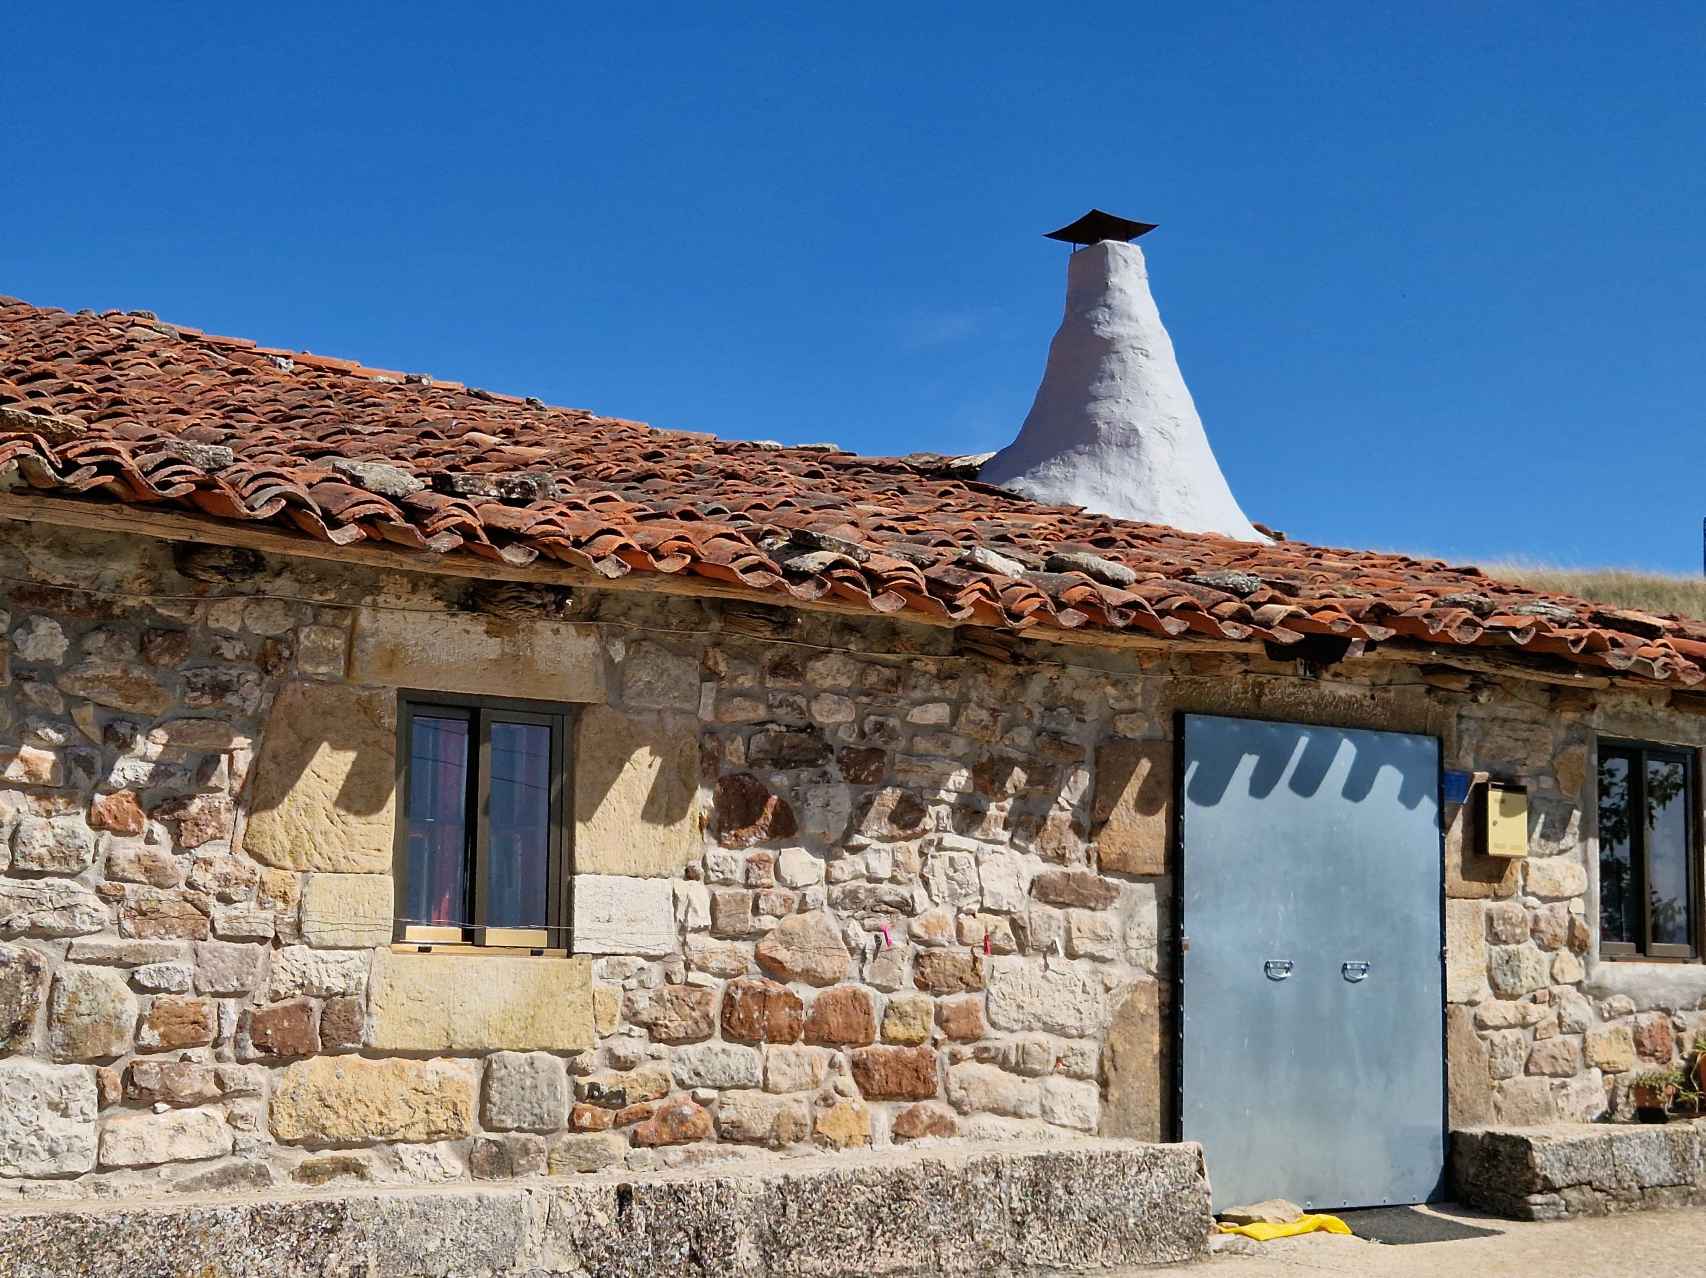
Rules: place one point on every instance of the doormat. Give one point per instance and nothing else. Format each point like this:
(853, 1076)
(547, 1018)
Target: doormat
(1403, 1226)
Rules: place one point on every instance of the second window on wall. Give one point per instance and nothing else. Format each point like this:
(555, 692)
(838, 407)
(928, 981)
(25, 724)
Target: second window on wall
(1649, 852)
(482, 855)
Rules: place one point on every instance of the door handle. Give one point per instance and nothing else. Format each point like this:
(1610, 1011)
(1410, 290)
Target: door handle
(1277, 969)
(1355, 970)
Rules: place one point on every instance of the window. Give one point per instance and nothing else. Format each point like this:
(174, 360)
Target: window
(1649, 859)
(482, 855)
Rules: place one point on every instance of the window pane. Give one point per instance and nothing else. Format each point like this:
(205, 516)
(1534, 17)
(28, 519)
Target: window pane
(436, 889)
(1667, 852)
(1619, 908)
(519, 847)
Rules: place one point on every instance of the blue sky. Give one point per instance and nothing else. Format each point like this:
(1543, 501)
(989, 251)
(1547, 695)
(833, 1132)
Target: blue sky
(1436, 272)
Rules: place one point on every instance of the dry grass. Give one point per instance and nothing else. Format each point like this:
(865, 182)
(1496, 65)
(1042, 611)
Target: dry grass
(1619, 587)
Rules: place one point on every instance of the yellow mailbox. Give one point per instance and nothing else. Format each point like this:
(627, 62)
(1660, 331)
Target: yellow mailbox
(1504, 819)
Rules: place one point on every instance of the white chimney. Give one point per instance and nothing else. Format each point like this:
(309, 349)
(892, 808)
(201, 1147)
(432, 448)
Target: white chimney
(1113, 427)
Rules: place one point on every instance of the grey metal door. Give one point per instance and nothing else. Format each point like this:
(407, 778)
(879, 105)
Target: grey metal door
(1312, 1063)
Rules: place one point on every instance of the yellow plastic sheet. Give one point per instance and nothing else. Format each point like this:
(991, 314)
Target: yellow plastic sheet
(1308, 1223)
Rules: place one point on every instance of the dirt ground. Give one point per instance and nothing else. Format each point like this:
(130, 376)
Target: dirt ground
(1450, 1242)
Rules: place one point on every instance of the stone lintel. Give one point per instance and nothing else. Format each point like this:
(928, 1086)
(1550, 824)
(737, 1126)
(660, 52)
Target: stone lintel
(478, 656)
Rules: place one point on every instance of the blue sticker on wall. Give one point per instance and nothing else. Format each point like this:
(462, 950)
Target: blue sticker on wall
(1454, 785)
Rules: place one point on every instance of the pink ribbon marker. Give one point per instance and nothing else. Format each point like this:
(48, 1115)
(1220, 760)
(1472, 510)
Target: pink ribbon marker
(888, 939)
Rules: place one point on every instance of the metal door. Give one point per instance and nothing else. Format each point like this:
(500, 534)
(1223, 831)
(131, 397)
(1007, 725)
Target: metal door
(1312, 1063)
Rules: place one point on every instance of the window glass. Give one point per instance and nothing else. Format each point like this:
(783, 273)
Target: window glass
(1667, 852)
(519, 833)
(437, 875)
(1619, 906)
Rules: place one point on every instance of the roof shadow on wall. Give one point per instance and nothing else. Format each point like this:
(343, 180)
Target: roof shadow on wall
(1310, 764)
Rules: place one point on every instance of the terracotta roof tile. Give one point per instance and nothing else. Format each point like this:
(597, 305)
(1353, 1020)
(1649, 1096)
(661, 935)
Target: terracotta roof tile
(121, 407)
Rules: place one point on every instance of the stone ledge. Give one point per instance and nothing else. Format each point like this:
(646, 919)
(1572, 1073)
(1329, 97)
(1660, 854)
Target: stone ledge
(1579, 1169)
(950, 1210)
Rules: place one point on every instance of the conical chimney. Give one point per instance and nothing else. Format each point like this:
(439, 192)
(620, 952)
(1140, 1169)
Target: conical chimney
(1113, 427)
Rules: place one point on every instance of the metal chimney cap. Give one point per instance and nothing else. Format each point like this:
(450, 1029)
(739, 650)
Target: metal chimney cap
(1096, 226)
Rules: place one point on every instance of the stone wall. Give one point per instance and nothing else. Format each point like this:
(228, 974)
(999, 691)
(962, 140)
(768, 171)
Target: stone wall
(840, 883)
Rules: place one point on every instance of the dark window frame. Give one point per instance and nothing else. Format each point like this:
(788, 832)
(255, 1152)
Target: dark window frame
(481, 712)
(1637, 754)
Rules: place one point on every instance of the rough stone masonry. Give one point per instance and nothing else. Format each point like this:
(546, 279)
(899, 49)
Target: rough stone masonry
(841, 884)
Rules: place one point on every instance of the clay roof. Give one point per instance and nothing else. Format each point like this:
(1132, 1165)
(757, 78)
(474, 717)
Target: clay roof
(120, 407)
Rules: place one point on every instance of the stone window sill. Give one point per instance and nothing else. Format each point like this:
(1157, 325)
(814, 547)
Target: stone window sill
(1648, 982)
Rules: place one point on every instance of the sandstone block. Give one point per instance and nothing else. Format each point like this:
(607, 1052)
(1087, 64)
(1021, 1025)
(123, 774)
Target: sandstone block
(756, 1010)
(59, 845)
(347, 911)
(746, 812)
(1611, 1049)
(453, 1002)
(907, 1019)
(347, 1100)
(91, 1014)
(284, 1029)
(1084, 889)
(961, 1019)
(1469, 1095)
(1515, 970)
(179, 1136)
(164, 978)
(525, 1091)
(150, 914)
(1003, 879)
(298, 971)
(796, 1069)
(948, 971)
(1023, 995)
(477, 654)
(895, 1073)
(173, 1021)
(1507, 923)
(1465, 951)
(758, 1119)
(199, 819)
(117, 684)
(343, 1023)
(322, 787)
(805, 947)
(1130, 808)
(171, 1083)
(843, 1125)
(47, 1119)
(842, 1016)
(984, 1089)
(23, 980)
(677, 1122)
(224, 968)
(616, 914)
(617, 1089)
(1555, 1058)
(1068, 1102)
(132, 861)
(1554, 876)
(717, 1065)
(31, 765)
(584, 1152)
(677, 1013)
(797, 868)
(49, 907)
(636, 792)
(916, 1122)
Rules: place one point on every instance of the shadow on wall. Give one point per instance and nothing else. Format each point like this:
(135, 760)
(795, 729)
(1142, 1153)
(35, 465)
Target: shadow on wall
(321, 792)
(1306, 766)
